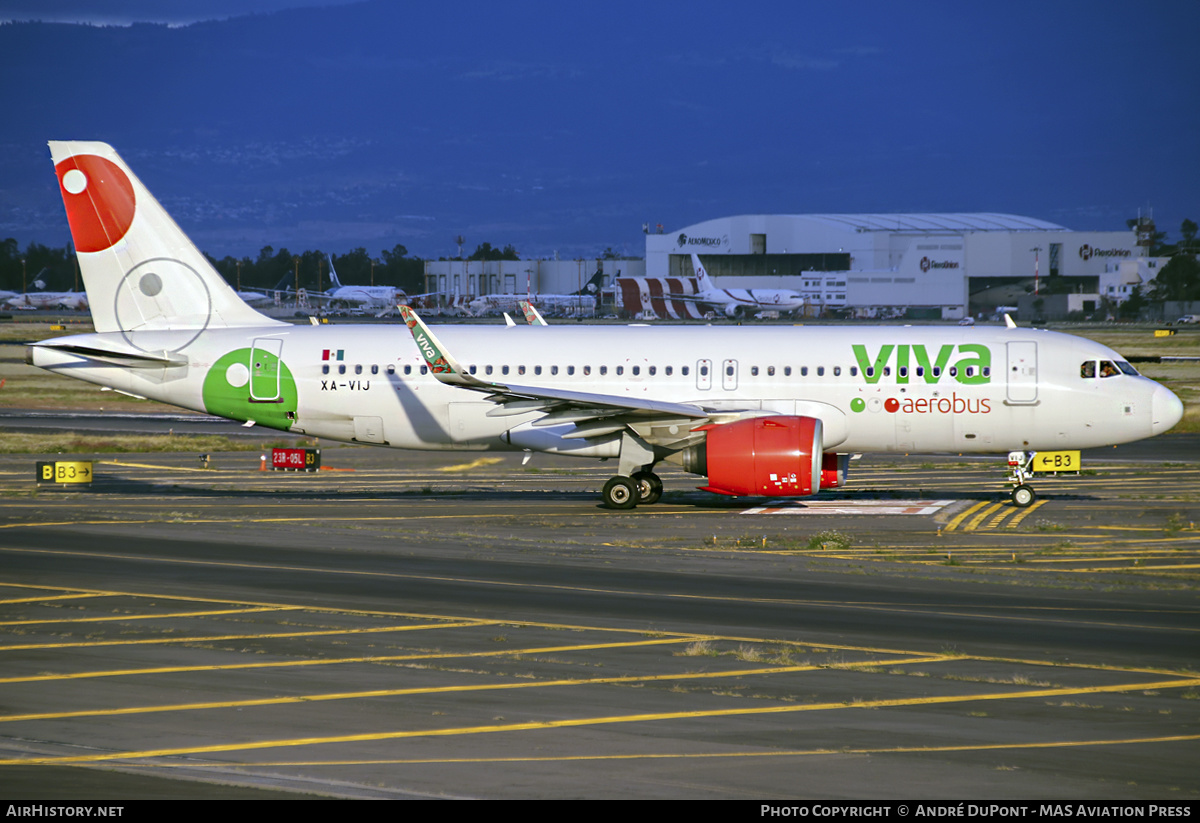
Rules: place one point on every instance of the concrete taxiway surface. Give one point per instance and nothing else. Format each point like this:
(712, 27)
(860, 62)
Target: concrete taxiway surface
(410, 625)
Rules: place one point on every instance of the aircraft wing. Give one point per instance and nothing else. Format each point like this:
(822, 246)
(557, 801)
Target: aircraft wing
(560, 405)
(700, 298)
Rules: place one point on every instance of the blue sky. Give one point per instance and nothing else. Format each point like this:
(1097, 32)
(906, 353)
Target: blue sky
(562, 128)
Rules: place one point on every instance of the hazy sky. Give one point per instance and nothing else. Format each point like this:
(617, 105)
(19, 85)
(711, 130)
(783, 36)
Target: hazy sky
(563, 127)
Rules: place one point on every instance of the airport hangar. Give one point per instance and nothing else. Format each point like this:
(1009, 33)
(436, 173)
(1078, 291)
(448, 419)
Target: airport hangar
(924, 266)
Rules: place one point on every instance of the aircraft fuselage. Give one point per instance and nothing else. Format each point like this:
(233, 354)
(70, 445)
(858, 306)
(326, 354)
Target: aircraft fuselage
(910, 389)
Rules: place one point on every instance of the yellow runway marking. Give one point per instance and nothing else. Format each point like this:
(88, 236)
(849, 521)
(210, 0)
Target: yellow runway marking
(392, 518)
(538, 725)
(95, 644)
(540, 586)
(165, 616)
(341, 661)
(49, 598)
(1135, 568)
(478, 687)
(664, 636)
(213, 472)
(958, 518)
(977, 519)
(450, 761)
(474, 464)
(1016, 520)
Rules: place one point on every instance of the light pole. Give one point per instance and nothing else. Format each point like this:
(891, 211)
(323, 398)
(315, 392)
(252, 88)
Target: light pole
(1037, 268)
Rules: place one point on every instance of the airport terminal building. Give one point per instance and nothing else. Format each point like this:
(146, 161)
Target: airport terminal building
(878, 265)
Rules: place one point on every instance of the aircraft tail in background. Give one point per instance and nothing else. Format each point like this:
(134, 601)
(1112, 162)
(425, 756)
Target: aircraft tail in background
(334, 283)
(702, 282)
(140, 270)
(592, 287)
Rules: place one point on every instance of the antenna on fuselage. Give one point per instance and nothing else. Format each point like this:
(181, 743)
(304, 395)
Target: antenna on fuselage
(1008, 322)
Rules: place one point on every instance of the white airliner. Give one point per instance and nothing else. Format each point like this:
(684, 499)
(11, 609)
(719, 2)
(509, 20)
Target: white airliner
(267, 297)
(584, 300)
(765, 411)
(739, 302)
(41, 299)
(377, 297)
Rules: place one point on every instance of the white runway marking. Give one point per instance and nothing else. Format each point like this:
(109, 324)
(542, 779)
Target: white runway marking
(925, 507)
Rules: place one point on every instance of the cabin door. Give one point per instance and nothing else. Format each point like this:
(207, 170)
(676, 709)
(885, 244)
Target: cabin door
(1022, 371)
(265, 370)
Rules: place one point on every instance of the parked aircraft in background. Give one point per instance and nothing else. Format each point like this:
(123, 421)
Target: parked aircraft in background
(39, 298)
(267, 297)
(761, 411)
(584, 300)
(739, 302)
(367, 297)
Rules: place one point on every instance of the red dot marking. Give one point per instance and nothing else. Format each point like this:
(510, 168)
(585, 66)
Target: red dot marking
(891, 404)
(101, 212)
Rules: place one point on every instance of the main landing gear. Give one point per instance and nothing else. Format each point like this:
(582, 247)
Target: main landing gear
(636, 485)
(1020, 467)
(644, 488)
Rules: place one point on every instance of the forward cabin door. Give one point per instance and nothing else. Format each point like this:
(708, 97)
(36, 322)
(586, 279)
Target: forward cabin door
(1022, 371)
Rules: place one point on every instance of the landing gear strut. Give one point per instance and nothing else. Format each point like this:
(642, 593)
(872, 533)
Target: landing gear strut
(1019, 468)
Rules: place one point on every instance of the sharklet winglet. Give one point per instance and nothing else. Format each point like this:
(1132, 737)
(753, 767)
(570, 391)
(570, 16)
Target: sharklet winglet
(441, 363)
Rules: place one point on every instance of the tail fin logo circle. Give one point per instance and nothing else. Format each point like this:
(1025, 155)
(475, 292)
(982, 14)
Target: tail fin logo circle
(99, 200)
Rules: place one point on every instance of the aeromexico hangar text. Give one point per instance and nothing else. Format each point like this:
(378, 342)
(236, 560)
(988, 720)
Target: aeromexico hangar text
(757, 410)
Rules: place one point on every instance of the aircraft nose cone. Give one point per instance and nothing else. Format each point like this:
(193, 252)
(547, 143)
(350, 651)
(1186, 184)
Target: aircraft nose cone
(1165, 410)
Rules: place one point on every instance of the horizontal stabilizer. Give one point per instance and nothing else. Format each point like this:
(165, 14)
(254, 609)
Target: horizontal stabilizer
(130, 359)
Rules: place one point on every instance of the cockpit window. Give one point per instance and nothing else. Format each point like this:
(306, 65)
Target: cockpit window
(1088, 369)
(1107, 369)
(1126, 368)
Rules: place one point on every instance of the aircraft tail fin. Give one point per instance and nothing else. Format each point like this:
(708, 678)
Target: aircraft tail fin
(284, 284)
(702, 281)
(593, 286)
(333, 278)
(140, 271)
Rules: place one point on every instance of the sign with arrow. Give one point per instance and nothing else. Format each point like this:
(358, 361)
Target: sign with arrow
(64, 472)
(1056, 461)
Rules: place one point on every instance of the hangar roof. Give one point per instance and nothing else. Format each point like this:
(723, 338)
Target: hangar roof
(921, 223)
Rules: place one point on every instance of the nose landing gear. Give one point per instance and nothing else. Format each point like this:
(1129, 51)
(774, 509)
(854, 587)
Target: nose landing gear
(1020, 467)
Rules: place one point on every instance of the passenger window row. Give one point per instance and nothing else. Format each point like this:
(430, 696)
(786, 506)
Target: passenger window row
(668, 371)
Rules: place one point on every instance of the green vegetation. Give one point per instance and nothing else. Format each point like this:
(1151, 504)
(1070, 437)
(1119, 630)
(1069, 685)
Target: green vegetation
(829, 541)
(75, 443)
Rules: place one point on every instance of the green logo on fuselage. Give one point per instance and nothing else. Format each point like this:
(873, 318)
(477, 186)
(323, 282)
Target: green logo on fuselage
(971, 366)
(251, 384)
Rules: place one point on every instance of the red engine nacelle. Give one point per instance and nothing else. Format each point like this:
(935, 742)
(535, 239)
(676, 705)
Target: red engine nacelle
(772, 456)
(834, 468)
